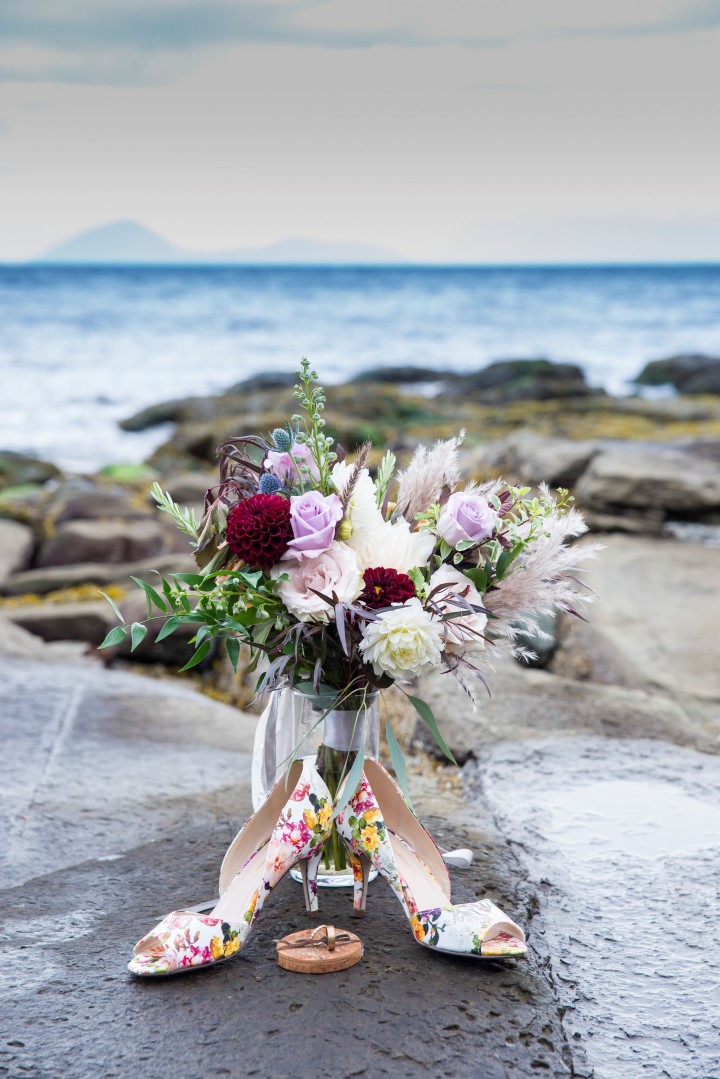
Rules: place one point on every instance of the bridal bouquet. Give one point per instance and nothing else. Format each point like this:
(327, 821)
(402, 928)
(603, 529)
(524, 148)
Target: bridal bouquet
(347, 583)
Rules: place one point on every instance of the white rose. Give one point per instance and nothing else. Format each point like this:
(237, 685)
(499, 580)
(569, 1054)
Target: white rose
(393, 546)
(402, 641)
(336, 570)
(462, 633)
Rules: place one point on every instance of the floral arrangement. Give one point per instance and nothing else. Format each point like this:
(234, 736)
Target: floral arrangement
(347, 583)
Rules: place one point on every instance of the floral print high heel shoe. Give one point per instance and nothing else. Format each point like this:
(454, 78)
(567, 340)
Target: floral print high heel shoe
(379, 828)
(285, 831)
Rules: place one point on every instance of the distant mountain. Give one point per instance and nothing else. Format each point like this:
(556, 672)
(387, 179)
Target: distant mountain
(127, 242)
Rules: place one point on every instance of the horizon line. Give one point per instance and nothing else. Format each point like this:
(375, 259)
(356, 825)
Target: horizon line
(384, 265)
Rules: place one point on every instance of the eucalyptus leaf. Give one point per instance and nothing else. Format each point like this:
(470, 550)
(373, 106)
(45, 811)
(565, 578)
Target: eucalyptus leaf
(151, 595)
(398, 759)
(426, 715)
(138, 633)
(115, 608)
(232, 646)
(170, 626)
(115, 636)
(197, 657)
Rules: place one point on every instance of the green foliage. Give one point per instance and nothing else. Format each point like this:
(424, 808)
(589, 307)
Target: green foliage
(312, 400)
(184, 518)
(385, 472)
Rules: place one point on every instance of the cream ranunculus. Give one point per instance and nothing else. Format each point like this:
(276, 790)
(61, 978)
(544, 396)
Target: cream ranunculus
(336, 570)
(402, 641)
(462, 633)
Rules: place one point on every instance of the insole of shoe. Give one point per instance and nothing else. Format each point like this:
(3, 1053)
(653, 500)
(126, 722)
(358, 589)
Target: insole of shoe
(426, 891)
(234, 902)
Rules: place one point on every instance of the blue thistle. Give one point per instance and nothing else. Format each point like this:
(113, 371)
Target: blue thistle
(282, 439)
(269, 484)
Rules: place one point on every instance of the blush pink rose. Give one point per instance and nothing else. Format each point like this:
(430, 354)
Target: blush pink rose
(282, 466)
(334, 571)
(313, 518)
(466, 517)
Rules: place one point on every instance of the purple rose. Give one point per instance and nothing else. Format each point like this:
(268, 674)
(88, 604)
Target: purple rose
(466, 517)
(313, 518)
(282, 466)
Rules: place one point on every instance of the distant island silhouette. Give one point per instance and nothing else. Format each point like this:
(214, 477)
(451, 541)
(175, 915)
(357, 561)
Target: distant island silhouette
(132, 243)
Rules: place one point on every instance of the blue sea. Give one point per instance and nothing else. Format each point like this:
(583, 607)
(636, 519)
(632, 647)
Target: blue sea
(82, 347)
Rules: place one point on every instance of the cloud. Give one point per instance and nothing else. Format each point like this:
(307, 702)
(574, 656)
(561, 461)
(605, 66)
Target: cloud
(149, 41)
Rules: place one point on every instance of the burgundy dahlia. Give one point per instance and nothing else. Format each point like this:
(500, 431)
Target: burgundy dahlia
(259, 529)
(385, 586)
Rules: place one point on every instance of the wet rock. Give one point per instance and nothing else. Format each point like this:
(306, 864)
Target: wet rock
(521, 380)
(530, 458)
(89, 622)
(52, 578)
(404, 376)
(102, 541)
(625, 479)
(155, 415)
(687, 373)
(613, 836)
(270, 380)
(16, 547)
(18, 469)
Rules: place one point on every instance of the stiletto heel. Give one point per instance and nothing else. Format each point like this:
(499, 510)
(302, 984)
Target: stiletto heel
(308, 871)
(379, 828)
(361, 875)
(284, 832)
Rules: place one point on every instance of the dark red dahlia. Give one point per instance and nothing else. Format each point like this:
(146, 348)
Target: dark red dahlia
(385, 586)
(259, 529)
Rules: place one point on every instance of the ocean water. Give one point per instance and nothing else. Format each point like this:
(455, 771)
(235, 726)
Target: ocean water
(82, 347)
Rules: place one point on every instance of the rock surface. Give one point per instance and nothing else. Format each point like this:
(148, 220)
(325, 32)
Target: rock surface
(527, 457)
(18, 469)
(617, 838)
(88, 622)
(119, 796)
(102, 541)
(521, 380)
(16, 547)
(655, 481)
(687, 373)
(51, 578)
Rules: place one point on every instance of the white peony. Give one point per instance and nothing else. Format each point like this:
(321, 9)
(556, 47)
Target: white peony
(362, 511)
(462, 633)
(393, 546)
(336, 570)
(402, 641)
(376, 541)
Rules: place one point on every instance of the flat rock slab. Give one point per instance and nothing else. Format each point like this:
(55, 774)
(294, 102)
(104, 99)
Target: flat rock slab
(621, 842)
(95, 762)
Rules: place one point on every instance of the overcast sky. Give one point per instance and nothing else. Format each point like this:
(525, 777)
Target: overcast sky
(493, 131)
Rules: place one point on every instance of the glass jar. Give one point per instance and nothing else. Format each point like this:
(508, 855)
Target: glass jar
(297, 724)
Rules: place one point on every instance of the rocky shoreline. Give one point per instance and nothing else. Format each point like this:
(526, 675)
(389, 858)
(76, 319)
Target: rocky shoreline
(644, 471)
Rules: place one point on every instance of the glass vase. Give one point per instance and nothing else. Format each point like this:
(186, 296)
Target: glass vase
(296, 724)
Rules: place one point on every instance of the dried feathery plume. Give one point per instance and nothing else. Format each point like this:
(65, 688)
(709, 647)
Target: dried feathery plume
(355, 474)
(542, 579)
(430, 474)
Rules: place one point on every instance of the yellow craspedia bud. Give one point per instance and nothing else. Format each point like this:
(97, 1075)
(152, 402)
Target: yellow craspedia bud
(345, 530)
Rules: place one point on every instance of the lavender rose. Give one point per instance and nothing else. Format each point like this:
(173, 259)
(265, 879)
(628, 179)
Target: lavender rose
(466, 517)
(313, 518)
(283, 465)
